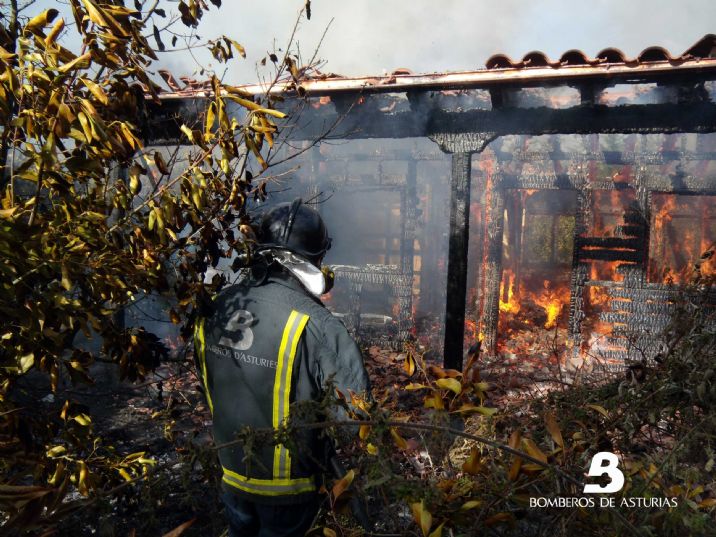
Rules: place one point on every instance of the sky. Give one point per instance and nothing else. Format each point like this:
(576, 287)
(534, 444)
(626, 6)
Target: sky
(372, 37)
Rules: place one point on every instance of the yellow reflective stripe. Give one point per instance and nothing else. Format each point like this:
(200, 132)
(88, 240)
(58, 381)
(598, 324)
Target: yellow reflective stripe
(200, 348)
(282, 387)
(277, 379)
(285, 471)
(268, 487)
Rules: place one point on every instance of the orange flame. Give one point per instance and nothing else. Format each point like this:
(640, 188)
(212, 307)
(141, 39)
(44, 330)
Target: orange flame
(512, 305)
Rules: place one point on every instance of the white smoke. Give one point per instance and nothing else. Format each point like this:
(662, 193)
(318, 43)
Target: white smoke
(370, 37)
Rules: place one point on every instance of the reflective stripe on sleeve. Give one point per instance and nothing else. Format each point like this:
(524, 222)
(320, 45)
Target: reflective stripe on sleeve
(268, 487)
(282, 389)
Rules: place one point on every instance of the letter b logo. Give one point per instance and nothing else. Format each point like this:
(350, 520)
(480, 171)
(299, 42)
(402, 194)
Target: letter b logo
(605, 462)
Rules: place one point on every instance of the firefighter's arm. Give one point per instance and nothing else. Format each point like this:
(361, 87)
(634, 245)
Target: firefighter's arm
(342, 361)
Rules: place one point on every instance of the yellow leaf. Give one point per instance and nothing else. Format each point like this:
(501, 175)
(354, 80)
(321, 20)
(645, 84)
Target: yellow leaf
(468, 408)
(236, 91)
(125, 474)
(96, 90)
(240, 49)
(473, 465)
(40, 21)
(83, 419)
(95, 217)
(246, 103)
(56, 451)
(370, 448)
(101, 17)
(422, 516)
(7, 213)
(59, 473)
(603, 411)
(450, 384)
(342, 484)
(414, 386)
(708, 502)
(438, 532)
(271, 112)
(188, 133)
(128, 135)
(409, 364)
(26, 362)
(66, 282)
(6, 56)
(86, 127)
(399, 440)
(82, 483)
(434, 401)
(210, 120)
(56, 29)
(363, 432)
(553, 428)
(532, 450)
(472, 504)
(328, 532)
(514, 443)
(80, 62)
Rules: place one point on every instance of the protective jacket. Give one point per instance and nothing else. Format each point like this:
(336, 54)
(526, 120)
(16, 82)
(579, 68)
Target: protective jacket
(265, 347)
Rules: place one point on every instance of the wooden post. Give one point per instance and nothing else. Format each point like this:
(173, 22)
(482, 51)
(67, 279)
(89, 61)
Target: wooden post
(457, 259)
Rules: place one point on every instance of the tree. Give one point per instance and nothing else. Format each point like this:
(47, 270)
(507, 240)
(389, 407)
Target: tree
(91, 222)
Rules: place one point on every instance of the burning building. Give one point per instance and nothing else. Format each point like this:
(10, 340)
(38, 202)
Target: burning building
(565, 198)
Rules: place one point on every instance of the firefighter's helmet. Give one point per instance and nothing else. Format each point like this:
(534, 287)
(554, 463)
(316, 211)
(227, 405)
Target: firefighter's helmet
(295, 227)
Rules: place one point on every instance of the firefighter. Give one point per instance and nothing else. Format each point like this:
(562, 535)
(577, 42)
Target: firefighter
(268, 344)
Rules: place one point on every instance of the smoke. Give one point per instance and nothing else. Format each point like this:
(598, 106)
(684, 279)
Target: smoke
(374, 36)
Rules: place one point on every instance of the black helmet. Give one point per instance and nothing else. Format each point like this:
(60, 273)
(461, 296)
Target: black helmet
(295, 227)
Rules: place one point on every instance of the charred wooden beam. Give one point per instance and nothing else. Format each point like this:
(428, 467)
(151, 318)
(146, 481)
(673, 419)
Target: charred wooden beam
(493, 268)
(408, 218)
(628, 256)
(457, 259)
(163, 121)
(580, 272)
(612, 158)
(609, 242)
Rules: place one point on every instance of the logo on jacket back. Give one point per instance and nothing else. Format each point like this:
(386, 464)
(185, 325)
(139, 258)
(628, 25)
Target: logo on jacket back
(238, 337)
(242, 337)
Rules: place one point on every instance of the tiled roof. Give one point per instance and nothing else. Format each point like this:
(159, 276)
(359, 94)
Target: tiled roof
(535, 67)
(704, 48)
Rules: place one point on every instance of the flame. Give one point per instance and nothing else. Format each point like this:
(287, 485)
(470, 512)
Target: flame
(679, 236)
(550, 298)
(512, 305)
(552, 301)
(552, 307)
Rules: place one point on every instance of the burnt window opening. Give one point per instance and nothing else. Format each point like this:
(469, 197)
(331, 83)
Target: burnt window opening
(683, 228)
(610, 242)
(548, 228)
(538, 238)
